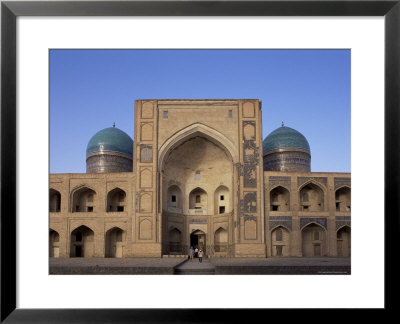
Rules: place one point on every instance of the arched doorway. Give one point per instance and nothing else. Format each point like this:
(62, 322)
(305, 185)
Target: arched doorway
(198, 239)
(115, 243)
(344, 242)
(313, 241)
(280, 237)
(82, 242)
(54, 244)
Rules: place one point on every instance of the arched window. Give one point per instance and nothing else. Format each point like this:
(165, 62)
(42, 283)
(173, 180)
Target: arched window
(280, 199)
(116, 200)
(54, 201)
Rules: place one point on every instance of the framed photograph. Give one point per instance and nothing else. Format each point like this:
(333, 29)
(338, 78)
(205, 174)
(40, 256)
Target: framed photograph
(36, 34)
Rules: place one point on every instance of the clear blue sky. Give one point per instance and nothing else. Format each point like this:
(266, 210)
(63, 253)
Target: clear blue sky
(307, 89)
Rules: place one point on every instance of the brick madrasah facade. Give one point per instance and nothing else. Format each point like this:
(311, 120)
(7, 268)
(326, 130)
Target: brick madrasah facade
(199, 173)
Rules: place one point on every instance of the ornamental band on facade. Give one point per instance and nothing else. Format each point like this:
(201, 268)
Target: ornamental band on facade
(198, 173)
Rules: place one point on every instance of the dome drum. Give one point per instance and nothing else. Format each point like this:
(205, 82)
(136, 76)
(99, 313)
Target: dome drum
(108, 162)
(298, 161)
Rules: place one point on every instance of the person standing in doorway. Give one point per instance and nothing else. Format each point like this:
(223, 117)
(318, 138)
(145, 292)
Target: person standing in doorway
(191, 252)
(200, 255)
(196, 252)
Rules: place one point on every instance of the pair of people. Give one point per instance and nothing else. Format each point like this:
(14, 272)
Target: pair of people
(193, 252)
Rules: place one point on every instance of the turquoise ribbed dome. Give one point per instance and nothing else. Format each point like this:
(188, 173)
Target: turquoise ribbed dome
(285, 137)
(110, 139)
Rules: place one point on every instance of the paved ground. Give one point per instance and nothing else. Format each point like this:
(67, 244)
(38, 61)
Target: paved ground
(208, 266)
(281, 261)
(195, 267)
(297, 266)
(114, 266)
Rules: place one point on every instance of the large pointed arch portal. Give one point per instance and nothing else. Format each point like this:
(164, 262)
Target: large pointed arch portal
(195, 130)
(198, 160)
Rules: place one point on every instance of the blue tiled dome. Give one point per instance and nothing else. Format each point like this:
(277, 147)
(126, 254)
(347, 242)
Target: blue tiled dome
(110, 139)
(285, 137)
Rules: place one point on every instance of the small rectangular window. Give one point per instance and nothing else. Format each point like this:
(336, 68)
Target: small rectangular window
(77, 208)
(230, 113)
(274, 207)
(278, 234)
(165, 113)
(120, 208)
(316, 236)
(337, 206)
(305, 208)
(197, 199)
(90, 209)
(221, 209)
(173, 198)
(197, 175)
(222, 197)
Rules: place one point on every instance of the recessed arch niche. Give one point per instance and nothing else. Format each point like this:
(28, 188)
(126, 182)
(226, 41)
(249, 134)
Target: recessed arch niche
(222, 200)
(343, 199)
(312, 198)
(313, 238)
(279, 199)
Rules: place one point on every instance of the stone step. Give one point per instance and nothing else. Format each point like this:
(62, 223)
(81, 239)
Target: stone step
(195, 267)
(183, 256)
(194, 272)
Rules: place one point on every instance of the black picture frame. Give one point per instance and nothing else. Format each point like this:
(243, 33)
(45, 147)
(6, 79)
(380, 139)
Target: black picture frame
(10, 10)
